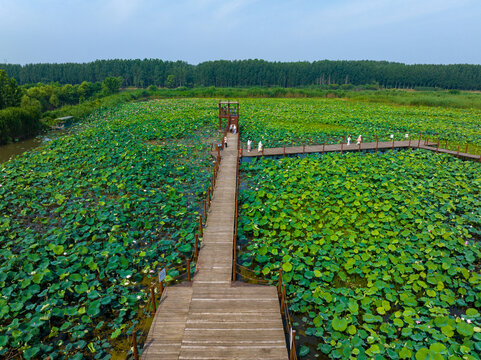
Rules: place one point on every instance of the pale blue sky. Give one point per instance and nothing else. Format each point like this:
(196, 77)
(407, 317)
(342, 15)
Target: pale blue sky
(410, 31)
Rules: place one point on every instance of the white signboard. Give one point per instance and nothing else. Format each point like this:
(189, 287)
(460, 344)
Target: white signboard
(290, 338)
(162, 275)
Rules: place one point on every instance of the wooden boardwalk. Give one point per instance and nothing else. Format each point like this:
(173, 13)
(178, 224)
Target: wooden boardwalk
(295, 150)
(213, 318)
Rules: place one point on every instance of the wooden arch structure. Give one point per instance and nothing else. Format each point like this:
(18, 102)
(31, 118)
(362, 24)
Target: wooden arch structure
(229, 110)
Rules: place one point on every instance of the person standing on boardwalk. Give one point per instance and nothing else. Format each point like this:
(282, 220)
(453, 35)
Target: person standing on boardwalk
(359, 140)
(349, 140)
(225, 141)
(234, 129)
(249, 144)
(230, 127)
(259, 147)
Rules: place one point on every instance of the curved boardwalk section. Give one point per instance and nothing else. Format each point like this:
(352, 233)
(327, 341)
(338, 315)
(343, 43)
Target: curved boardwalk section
(214, 318)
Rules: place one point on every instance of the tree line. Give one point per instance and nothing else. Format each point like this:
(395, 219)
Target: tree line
(248, 73)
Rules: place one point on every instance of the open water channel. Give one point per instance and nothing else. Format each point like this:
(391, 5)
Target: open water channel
(14, 149)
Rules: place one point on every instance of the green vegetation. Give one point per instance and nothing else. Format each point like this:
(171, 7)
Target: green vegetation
(247, 73)
(16, 121)
(381, 252)
(86, 220)
(23, 107)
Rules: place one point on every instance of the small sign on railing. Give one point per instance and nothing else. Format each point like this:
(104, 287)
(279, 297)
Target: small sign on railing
(290, 339)
(162, 275)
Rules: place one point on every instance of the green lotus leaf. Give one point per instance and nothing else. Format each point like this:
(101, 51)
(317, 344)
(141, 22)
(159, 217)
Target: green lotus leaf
(287, 267)
(339, 324)
(464, 329)
(303, 350)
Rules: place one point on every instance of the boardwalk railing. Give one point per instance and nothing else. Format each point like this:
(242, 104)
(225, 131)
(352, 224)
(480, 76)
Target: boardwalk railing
(251, 277)
(414, 139)
(427, 143)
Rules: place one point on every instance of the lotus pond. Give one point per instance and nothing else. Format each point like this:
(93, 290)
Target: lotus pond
(279, 122)
(86, 219)
(380, 252)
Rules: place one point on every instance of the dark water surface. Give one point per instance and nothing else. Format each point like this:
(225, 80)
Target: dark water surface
(14, 149)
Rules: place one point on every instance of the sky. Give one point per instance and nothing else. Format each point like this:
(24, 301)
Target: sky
(408, 31)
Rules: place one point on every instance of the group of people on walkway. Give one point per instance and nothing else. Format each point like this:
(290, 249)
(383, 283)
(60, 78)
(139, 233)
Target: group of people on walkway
(260, 146)
(233, 130)
(359, 140)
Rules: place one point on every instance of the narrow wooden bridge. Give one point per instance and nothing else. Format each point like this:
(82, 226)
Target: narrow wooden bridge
(385, 145)
(212, 317)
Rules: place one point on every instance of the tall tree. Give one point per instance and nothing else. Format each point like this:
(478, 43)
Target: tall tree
(10, 93)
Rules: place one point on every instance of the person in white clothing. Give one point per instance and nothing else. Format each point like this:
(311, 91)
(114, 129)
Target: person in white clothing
(249, 144)
(359, 140)
(349, 140)
(234, 129)
(259, 147)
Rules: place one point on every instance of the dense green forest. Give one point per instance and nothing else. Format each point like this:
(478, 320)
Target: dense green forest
(247, 73)
(21, 107)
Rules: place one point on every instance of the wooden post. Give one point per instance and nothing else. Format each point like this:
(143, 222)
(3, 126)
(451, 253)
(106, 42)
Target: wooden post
(437, 147)
(409, 142)
(205, 211)
(323, 147)
(419, 142)
(201, 232)
(393, 143)
(293, 346)
(282, 300)
(341, 148)
(457, 154)
(279, 283)
(154, 306)
(303, 149)
(161, 288)
(234, 260)
(359, 148)
(196, 246)
(377, 143)
(262, 149)
(188, 270)
(134, 344)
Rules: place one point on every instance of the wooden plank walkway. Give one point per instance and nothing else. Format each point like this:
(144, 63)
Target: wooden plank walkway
(214, 318)
(292, 150)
